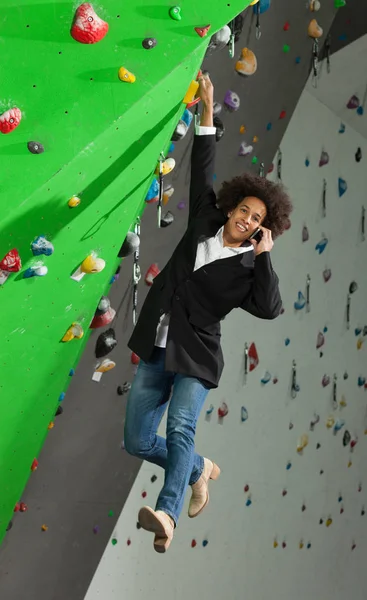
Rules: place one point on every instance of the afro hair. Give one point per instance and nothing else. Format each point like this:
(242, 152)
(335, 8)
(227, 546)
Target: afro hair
(278, 203)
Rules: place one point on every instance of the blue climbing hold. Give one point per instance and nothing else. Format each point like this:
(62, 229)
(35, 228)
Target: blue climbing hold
(321, 245)
(244, 414)
(205, 543)
(187, 117)
(287, 341)
(62, 396)
(263, 5)
(342, 128)
(210, 410)
(289, 466)
(153, 192)
(266, 378)
(360, 110)
(269, 126)
(171, 148)
(343, 186)
(248, 502)
(71, 372)
(307, 162)
(325, 329)
(357, 331)
(298, 60)
(300, 303)
(361, 381)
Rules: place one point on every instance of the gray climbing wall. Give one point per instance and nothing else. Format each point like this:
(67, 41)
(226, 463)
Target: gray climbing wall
(83, 474)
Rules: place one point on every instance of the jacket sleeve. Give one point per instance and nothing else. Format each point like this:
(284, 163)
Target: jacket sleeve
(264, 299)
(202, 173)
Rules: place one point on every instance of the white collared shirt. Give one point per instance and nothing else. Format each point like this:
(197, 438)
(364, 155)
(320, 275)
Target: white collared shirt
(208, 250)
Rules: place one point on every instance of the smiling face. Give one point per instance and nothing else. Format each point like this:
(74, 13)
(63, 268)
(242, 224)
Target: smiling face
(244, 220)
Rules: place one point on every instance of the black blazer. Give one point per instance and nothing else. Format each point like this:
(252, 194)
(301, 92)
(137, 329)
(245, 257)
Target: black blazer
(198, 300)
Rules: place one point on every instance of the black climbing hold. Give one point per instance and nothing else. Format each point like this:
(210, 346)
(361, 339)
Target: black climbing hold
(35, 147)
(346, 438)
(149, 43)
(219, 128)
(358, 155)
(59, 411)
(180, 131)
(106, 342)
(353, 287)
(318, 446)
(120, 391)
(236, 26)
(345, 376)
(130, 245)
(153, 478)
(138, 526)
(10, 525)
(167, 219)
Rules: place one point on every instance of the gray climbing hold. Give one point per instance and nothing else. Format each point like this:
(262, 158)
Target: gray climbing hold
(35, 147)
(131, 243)
(149, 43)
(167, 219)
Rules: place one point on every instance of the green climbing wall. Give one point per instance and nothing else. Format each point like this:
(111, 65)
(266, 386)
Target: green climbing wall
(102, 140)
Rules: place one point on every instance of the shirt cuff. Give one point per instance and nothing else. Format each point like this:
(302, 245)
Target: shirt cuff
(200, 130)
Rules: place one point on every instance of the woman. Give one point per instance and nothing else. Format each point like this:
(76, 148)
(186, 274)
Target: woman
(215, 268)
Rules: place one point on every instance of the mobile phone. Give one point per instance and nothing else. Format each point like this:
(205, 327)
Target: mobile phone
(256, 235)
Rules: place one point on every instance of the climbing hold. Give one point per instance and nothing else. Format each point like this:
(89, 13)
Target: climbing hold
(210, 410)
(75, 331)
(153, 478)
(248, 502)
(321, 521)
(326, 275)
(321, 245)
(282, 115)
(266, 378)
(205, 543)
(262, 7)
(11, 263)
(51, 425)
(223, 410)
(324, 159)
(190, 97)
(253, 357)
(34, 465)
(247, 63)
(246, 488)
(123, 389)
(314, 29)
(149, 43)
(318, 446)
(10, 119)
(305, 234)
(126, 76)
(346, 438)
(330, 422)
(244, 414)
(302, 442)
(284, 493)
(307, 162)
(298, 60)
(245, 149)
(182, 126)
(152, 272)
(167, 219)
(353, 287)
(144, 494)
(339, 3)
(308, 545)
(167, 166)
(219, 40)
(339, 424)
(289, 466)
(219, 132)
(87, 27)
(286, 26)
(343, 402)
(358, 155)
(44, 528)
(181, 205)
(352, 103)
(167, 193)
(343, 186)
(41, 245)
(328, 522)
(342, 128)
(290, 426)
(59, 411)
(301, 544)
(35, 147)
(232, 101)
(91, 264)
(269, 126)
(104, 314)
(129, 246)
(325, 381)
(315, 421)
(106, 342)
(287, 341)
(102, 367)
(341, 510)
(242, 129)
(62, 396)
(114, 541)
(320, 340)
(153, 193)
(71, 372)
(303, 507)
(284, 545)
(38, 270)
(175, 13)
(74, 201)
(202, 31)
(354, 545)
(300, 303)
(314, 5)
(275, 544)
(353, 443)
(286, 48)
(254, 160)
(193, 543)
(360, 111)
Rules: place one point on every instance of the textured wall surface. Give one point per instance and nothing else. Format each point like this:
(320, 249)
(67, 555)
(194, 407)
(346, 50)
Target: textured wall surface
(83, 475)
(281, 523)
(102, 141)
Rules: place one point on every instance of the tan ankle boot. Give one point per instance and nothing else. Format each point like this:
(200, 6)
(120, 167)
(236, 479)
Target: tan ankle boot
(160, 523)
(200, 492)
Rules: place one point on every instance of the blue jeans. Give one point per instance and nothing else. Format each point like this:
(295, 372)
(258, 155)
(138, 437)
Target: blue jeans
(147, 402)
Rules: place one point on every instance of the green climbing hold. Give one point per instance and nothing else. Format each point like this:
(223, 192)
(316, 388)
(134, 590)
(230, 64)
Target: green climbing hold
(254, 160)
(114, 541)
(339, 3)
(286, 48)
(110, 514)
(175, 13)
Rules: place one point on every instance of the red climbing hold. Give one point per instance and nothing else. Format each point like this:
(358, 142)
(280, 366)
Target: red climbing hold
(11, 262)
(128, 542)
(87, 27)
(193, 543)
(253, 357)
(152, 272)
(282, 115)
(223, 410)
(10, 119)
(202, 31)
(17, 507)
(246, 488)
(143, 494)
(135, 358)
(23, 507)
(286, 26)
(34, 465)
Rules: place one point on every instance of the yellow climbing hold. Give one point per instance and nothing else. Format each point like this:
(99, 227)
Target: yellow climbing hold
(126, 76)
(359, 344)
(349, 464)
(255, 139)
(168, 166)
(74, 201)
(254, 2)
(74, 331)
(302, 442)
(328, 522)
(242, 129)
(92, 264)
(191, 92)
(51, 425)
(330, 422)
(44, 527)
(343, 402)
(275, 544)
(301, 544)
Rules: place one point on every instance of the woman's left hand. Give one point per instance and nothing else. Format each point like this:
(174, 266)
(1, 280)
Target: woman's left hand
(266, 243)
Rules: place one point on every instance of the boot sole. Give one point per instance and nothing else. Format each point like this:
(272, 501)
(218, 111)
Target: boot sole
(150, 522)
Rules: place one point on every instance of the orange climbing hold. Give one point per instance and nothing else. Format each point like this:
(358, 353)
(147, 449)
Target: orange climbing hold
(314, 29)
(247, 64)
(202, 31)
(242, 129)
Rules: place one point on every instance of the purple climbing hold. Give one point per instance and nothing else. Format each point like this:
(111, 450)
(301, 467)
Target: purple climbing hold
(324, 159)
(232, 101)
(181, 205)
(326, 275)
(320, 340)
(325, 380)
(353, 102)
